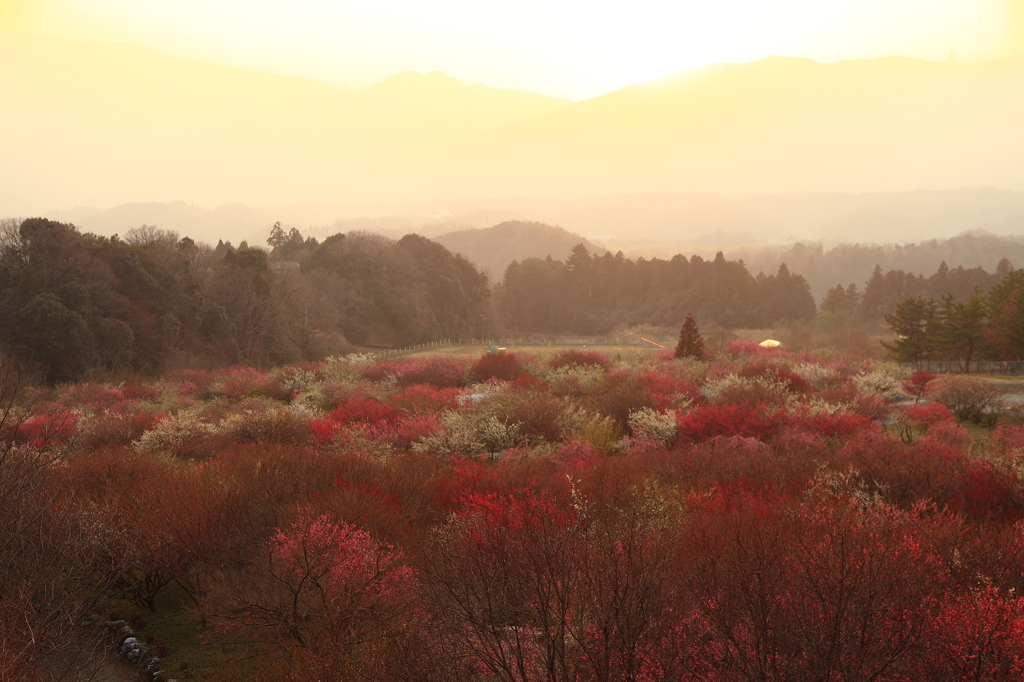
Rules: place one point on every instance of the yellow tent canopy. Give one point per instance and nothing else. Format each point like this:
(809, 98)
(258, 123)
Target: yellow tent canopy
(770, 343)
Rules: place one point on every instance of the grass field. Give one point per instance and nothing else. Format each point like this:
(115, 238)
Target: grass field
(189, 651)
(540, 349)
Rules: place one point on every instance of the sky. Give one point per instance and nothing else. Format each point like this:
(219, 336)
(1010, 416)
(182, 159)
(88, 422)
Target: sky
(570, 48)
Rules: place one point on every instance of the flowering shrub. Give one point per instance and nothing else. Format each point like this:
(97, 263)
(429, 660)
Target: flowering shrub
(572, 379)
(819, 376)
(667, 391)
(779, 521)
(775, 373)
(181, 435)
(138, 393)
(343, 561)
(917, 385)
(529, 383)
(277, 425)
(1009, 440)
(300, 381)
(579, 358)
(967, 397)
(649, 424)
(238, 382)
(90, 396)
(711, 421)
(409, 431)
(425, 399)
(356, 410)
(439, 372)
(832, 424)
(877, 382)
(505, 366)
(48, 429)
(751, 391)
(197, 380)
(328, 595)
(537, 416)
(928, 415)
(976, 635)
(117, 428)
(577, 451)
(472, 431)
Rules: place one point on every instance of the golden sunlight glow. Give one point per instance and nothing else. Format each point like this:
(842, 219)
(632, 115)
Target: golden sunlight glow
(570, 49)
(243, 101)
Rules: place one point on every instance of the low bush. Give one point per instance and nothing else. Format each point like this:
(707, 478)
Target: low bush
(182, 435)
(579, 358)
(711, 421)
(967, 397)
(505, 366)
(276, 425)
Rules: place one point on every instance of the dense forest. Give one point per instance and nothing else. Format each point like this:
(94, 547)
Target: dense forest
(82, 304)
(595, 294)
(883, 291)
(979, 326)
(856, 262)
(493, 248)
(78, 303)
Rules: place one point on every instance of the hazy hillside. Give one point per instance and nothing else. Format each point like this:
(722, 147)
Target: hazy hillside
(102, 125)
(648, 225)
(854, 263)
(230, 222)
(717, 220)
(493, 248)
(780, 125)
(107, 125)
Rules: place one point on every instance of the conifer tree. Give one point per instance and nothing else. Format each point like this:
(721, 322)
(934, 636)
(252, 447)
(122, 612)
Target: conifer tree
(690, 345)
(914, 324)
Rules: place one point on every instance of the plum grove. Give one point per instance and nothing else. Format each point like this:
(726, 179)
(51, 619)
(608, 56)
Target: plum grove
(753, 515)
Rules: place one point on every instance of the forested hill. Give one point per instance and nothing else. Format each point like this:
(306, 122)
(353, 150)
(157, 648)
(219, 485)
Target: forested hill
(74, 304)
(586, 293)
(855, 263)
(77, 304)
(493, 248)
(883, 291)
(594, 294)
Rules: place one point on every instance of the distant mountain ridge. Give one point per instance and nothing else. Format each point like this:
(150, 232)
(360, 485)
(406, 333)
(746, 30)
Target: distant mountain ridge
(781, 124)
(130, 124)
(493, 248)
(649, 225)
(853, 263)
(101, 125)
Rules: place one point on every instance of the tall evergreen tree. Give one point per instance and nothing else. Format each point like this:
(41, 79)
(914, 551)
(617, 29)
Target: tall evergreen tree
(690, 345)
(959, 328)
(1005, 305)
(913, 322)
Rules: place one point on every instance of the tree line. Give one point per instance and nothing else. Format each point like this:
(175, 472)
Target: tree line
(884, 290)
(594, 294)
(855, 262)
(153, 300)
(981, 325)
(79, 303)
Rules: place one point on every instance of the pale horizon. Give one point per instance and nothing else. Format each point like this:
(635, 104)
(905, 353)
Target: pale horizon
(223, 103)
(565, 49)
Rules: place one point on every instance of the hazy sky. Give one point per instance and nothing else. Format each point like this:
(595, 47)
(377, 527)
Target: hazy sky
(567, 48)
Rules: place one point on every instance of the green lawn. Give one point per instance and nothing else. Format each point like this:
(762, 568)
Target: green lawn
(188, 651)
(474, 351)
